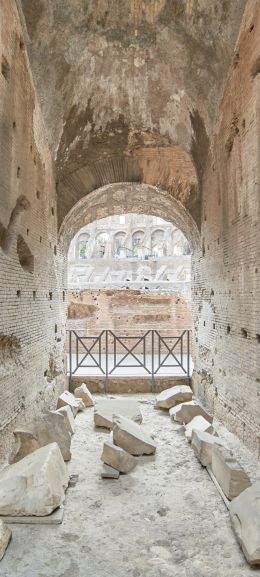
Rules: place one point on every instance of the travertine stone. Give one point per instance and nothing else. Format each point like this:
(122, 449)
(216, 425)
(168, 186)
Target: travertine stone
(25, 443)
(5, 537)
(245, 519)
(83, 393)
(185, 412)
(109, 472)
(131, 437)
(47, 428)
(230, 475)
(67, 412)
(117, 457)
(67, 398)
(173, 396)
(202, 443)
(105, 409)
(35, 485)
(197, 423)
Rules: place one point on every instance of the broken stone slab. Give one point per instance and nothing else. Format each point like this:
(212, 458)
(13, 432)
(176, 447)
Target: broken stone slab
(173, 396)
(245, 519)
(66, 411)
(83, 393)
(47, 428)
(131, 437)
(67, 398)
(197, 423)
(117, 457)
(185, 412)
(5, 538)
(35, 485)
(202, 443)
(109, 472)
(230, 475)
(105, 409)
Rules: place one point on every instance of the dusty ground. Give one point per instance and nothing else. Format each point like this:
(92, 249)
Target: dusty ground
(166, 518)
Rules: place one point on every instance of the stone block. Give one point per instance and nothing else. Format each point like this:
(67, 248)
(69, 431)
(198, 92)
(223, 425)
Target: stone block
(109, 472)
(47, 428)
(35, 485)
(105, 409)
(67, 413)
(67, 398)
(185, 412)
(197, 423)
(5, 537)
(245, 519)
(173, 396)
(84, 394)
(131, 437)
(117, 457)
(202, 443)
(230, 475)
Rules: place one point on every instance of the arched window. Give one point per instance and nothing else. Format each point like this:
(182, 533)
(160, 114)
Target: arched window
(119, 249)
(101, 242)
(83, 240)
(137, 243)
(158, 244)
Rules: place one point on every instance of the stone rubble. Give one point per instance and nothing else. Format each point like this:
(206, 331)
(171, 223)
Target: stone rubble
(105, 409)
(5, 538)
(185, 412)
(66, 398)
(47, 428)
(245, 519)
(131, 437)
(117, 457)
(202, 443)
(173, 396)
(198, 424)
(83, 393)
(229, 474)
(35, 485)
(66, 411)
(109, 472)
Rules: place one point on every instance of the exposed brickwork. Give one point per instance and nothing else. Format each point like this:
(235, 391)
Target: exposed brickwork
(30, 291)
(227, 286)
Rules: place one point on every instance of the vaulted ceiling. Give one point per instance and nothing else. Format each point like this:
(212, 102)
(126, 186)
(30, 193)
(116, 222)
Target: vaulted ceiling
(130, 89)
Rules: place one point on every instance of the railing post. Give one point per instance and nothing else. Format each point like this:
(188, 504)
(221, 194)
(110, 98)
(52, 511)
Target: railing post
(106, 345)
(70, 354)
(152, 360)
(188, 353)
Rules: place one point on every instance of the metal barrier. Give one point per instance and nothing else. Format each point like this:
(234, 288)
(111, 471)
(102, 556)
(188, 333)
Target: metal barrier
(151, 353)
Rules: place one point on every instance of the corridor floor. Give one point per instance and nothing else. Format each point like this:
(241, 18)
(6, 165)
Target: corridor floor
(166, 518)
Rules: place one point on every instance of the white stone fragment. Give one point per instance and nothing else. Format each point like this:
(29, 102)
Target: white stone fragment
(197, 423)
(47, 428)
(5, 537)
(66, 411)
(202, 444)
(131, 437)
(35, 485)
(117, 458)
(185, 412)
(109, 472)
(83, 393)
(230, 475)
(245, 519)
(67, 398)
(173, 396)
(105, 409)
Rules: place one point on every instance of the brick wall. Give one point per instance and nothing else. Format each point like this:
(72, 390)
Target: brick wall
(226, 289)
(31, 298)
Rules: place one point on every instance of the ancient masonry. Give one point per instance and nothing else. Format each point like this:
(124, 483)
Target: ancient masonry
(124, 109)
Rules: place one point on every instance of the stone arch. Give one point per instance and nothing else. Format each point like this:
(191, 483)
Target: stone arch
(122, 198)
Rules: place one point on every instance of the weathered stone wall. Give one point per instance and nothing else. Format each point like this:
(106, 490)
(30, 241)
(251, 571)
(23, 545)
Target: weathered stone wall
(127, 311)
(31, 298)
(227, 289)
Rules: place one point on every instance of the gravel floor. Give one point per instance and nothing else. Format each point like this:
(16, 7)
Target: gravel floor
(166, 518)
